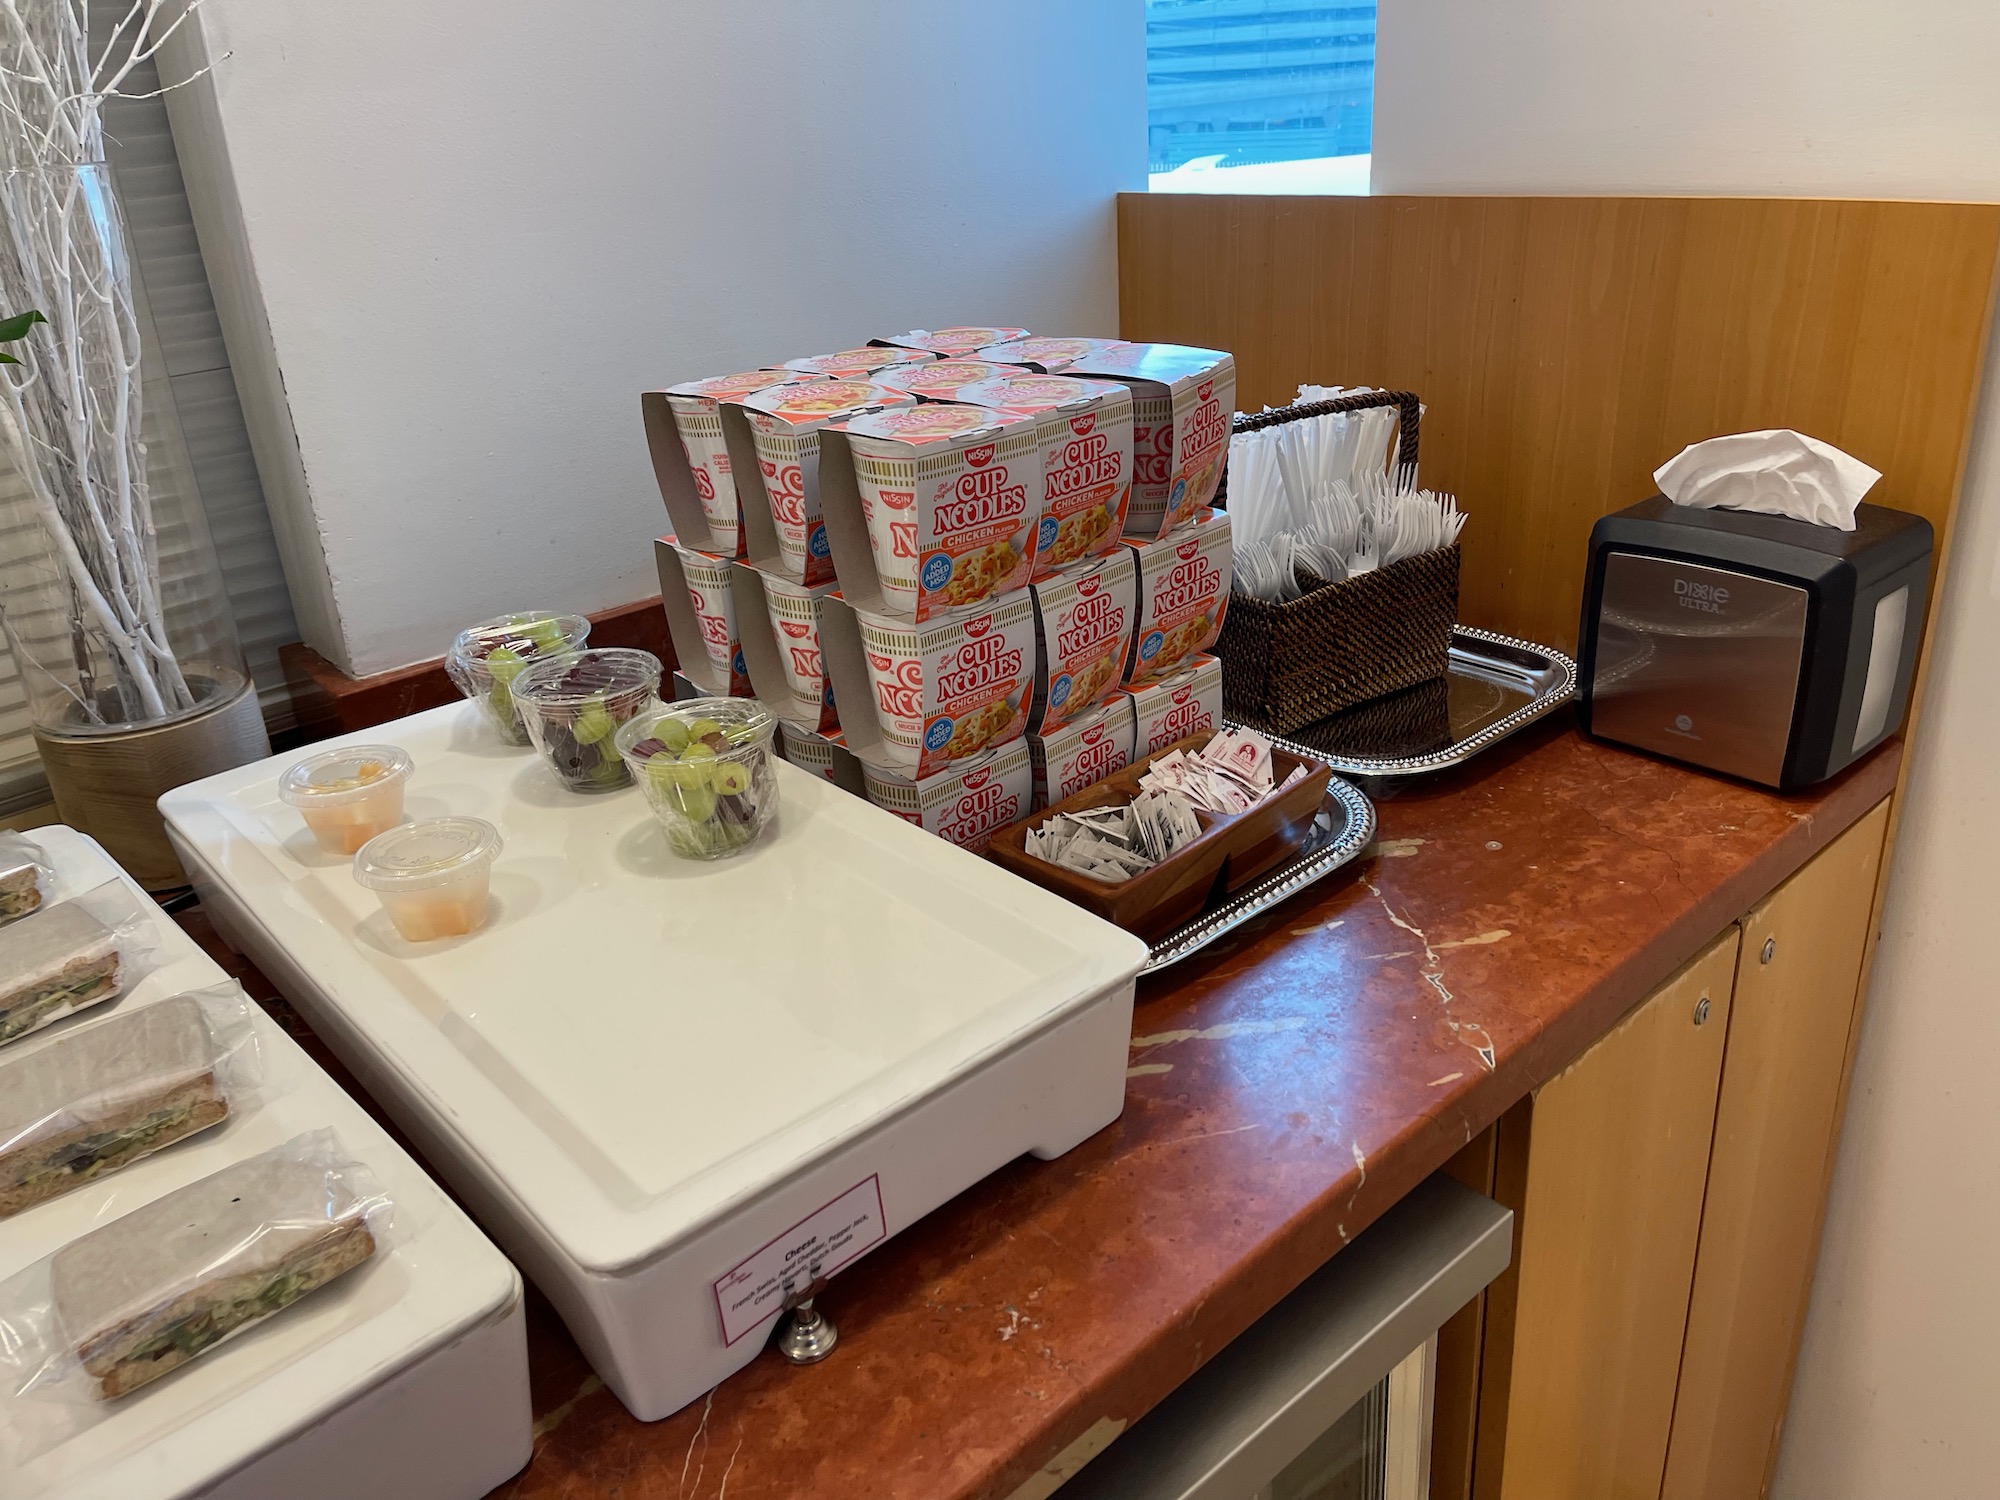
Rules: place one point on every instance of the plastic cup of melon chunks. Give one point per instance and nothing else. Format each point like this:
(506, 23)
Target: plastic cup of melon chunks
(706, 767)
(432, 877)
(348, 796)
(484, 660)
(573, 707)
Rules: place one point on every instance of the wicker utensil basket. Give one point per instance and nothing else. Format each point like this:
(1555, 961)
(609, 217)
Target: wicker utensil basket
(1288, 665)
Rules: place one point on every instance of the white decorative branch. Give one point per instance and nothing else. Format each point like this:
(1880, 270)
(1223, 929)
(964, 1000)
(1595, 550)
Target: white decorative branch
(71, 409)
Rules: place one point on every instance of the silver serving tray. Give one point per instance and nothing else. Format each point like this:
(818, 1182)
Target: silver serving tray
(1496, 684)
(1343, 828)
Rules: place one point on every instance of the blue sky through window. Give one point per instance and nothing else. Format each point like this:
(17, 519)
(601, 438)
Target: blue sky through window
(1259, 96)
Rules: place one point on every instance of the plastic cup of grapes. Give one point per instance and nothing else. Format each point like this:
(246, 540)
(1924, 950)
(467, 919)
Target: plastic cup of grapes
(348, 796)
(573, 706)
(433, 876)
(705, 765)
(484, 660)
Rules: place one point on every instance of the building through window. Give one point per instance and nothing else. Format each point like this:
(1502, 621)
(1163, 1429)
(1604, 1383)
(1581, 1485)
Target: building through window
(1259, 96)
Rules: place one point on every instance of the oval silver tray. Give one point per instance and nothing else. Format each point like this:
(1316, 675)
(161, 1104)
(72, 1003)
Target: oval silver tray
(1343, 828)
(1493, 686)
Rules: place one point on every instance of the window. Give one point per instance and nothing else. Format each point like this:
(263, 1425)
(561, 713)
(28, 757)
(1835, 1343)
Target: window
(1259, 96)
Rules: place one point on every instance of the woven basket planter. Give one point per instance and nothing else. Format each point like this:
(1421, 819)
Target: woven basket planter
(1285, 666)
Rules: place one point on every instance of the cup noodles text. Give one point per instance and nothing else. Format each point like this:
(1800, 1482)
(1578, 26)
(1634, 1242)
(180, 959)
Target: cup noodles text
(856, 364)
(810, 752)
(950, 343)
(952, 495)
(964, 805)
(1083, 635)
(1189, 702)
(786, 422)
(1085, 428)
(950, 687)
(1083, 753)
(794, 612)
(1045, 354)
(697, 409)
(710, 586)
(942, 379)
(1183, 593)
(1183, 401)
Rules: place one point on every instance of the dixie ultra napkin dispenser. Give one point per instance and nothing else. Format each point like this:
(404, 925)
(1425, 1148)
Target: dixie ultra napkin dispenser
(1756, 645)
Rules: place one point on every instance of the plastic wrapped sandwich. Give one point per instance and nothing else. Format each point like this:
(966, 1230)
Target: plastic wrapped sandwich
(109, 1093)
(65, 957)
(142, 1295)
(26, 877)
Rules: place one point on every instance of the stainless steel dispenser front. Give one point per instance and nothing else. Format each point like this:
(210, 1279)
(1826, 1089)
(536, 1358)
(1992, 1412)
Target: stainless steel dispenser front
(1698, 663)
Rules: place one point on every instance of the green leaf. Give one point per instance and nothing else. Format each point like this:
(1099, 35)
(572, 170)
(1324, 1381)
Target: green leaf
(12, 329)
(8, 359)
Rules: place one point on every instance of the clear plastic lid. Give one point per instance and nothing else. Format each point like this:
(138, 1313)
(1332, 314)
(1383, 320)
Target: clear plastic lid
(525, 634)
(433, 852)
(743, 724)
(348, 774)
(601, 672)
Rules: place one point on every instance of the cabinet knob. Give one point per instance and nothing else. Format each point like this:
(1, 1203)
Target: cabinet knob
(1701, 1010)
(1769, 951)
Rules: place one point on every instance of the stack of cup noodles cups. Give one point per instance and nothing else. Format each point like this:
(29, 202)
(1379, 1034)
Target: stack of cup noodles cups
(983, 461)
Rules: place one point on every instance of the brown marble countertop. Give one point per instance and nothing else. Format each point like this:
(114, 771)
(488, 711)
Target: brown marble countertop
(1287, 1086)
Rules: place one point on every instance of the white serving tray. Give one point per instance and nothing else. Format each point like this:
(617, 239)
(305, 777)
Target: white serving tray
(648, 1077)
(407, 1378)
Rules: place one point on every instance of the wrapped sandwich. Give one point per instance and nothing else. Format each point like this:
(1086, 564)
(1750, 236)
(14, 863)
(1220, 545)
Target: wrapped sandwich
(52, 963)
(108, 1094)
(151, 1291)
(25, 877)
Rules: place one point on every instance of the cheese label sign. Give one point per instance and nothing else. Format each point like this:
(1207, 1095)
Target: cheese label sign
(818, 1245)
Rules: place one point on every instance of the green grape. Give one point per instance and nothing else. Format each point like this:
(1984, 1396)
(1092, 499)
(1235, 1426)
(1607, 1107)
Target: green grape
(696, 802)
(701, 729)
(503, 665)
(697, 751)
(731, 778)
(673, 734)
(546, 634)
(593, 725)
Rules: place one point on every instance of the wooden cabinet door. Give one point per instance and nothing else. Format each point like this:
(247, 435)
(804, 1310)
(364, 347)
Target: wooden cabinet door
(1584, 1339)
(1797, 980)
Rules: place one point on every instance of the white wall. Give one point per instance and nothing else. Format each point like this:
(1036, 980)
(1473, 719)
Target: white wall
(1839, 98)
(456, 240)
(1807, 98)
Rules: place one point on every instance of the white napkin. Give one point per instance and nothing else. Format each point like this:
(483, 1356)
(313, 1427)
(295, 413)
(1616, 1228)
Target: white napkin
(1778, 472)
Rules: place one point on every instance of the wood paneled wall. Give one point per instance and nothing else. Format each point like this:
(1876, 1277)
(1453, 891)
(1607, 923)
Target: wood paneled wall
(1566, 347)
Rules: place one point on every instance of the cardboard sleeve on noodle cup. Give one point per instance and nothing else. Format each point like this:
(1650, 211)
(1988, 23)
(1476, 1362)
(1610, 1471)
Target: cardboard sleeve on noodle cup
(697, 591)
(1085, 431)
(934, 692)
(781, 647)
(776, 434)
(964, 804)
(1183, 583)
(1167, 711)
(1082, 752)
(1083, 635)
(823, 755)
(692, 464)
(951, 496)
(1183, 403)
